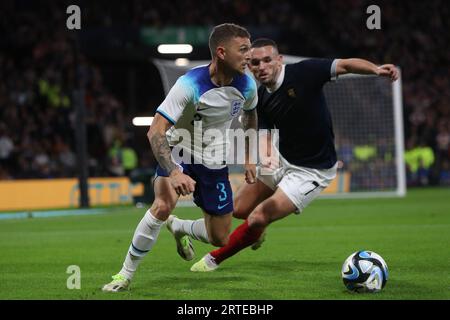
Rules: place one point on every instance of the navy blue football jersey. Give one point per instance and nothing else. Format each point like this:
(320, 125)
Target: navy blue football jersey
(299, 111)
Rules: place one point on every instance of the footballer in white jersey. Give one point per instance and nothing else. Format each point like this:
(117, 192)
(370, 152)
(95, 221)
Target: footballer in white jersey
(195, 101)
(210, 97)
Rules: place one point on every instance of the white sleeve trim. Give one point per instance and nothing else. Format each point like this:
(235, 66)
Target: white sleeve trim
(333, 73)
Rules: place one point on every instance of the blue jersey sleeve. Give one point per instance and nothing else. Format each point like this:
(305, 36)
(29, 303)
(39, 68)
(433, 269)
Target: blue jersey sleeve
(251, 95)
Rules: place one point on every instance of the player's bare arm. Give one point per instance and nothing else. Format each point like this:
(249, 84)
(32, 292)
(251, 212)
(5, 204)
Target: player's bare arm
(182, 183)
(361, 66)
(268, 155)
(249, 121)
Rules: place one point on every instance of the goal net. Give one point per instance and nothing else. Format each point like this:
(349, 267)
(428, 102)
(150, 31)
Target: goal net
(368, 126)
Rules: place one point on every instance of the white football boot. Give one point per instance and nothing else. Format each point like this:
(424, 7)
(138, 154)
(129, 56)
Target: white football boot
(119, 283)
(184, 244)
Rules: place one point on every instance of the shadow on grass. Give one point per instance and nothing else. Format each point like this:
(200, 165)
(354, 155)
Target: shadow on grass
(283, 266)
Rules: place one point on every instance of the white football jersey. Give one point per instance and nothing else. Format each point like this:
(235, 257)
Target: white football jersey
(198, 106)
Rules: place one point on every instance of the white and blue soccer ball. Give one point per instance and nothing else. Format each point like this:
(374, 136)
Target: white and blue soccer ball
(364, 271)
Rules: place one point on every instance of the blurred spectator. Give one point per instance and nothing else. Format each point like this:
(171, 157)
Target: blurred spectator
(130, 159)
(6, 149)
(444, 174)
(122, 159)
(419, 160)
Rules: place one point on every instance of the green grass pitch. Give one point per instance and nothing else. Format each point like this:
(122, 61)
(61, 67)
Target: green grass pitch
(301, 258)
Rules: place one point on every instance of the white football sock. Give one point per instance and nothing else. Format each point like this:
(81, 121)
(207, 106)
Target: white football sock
(210, 261)
(144, 238)
(196, 229)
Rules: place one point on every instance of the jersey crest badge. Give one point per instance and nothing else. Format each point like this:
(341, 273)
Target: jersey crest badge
(236, 106)
(291, 93)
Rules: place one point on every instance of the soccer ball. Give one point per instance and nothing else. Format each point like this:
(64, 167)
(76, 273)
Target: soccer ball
(364, 271)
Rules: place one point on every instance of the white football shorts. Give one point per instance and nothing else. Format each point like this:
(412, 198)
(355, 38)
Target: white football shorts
(300, 184)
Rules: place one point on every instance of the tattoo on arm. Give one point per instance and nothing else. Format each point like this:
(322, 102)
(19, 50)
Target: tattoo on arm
(161, 150)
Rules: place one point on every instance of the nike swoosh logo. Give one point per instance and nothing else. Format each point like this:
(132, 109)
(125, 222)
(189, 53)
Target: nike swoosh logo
(202, 109)
(220, 207)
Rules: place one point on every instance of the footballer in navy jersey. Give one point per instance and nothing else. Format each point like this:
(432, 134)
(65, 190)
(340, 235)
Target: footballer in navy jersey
(290, 99)
(297, 108)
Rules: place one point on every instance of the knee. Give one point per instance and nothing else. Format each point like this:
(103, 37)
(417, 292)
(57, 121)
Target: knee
(161, 209)
(258, 219)
(238, 213)
(219, 241)
(239, 210)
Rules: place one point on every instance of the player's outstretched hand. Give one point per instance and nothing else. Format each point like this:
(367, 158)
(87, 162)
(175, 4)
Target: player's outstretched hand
(388, 70)
(250, 173)
(182, 183)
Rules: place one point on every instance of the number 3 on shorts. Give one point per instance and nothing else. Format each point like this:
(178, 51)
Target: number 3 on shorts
(223, 194)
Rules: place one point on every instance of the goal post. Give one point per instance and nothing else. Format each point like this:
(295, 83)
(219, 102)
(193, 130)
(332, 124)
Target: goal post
(397, 102)
(367, 114)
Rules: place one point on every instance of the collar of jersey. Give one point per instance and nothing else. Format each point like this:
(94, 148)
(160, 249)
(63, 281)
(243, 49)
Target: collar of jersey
(279, 82)
(215, 85)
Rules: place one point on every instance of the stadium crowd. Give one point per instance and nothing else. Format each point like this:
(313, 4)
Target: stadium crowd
(37, 117)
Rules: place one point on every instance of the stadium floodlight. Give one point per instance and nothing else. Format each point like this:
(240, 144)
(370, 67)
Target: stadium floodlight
(174, 48)
(142, 121)
(182, 62)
